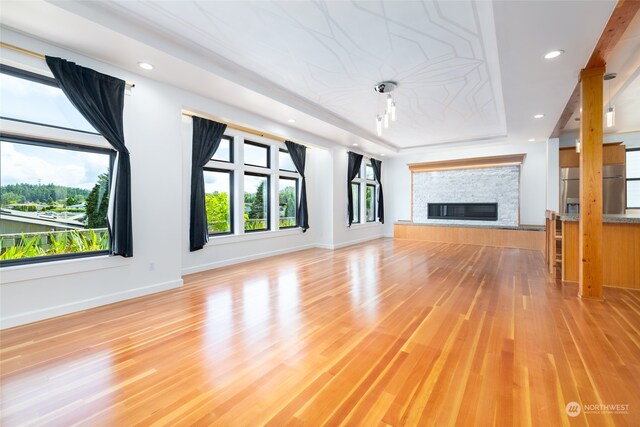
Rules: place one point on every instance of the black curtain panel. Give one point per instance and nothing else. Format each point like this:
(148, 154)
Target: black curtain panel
(298, 155)
(377, 172)
(355, 160)
(206, 139)
(100, 99)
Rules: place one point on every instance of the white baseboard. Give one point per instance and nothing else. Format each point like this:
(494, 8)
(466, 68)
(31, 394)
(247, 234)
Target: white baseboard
(59, 310)
(356, 241)
(226, 262)
(325, 246)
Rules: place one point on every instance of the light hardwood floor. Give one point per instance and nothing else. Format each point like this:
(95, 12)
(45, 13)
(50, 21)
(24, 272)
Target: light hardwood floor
(383, 333)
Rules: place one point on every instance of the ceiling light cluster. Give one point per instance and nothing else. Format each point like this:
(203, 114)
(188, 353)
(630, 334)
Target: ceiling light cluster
(388, 112)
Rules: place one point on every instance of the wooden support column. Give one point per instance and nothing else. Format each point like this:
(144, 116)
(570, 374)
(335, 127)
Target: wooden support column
(590, 268)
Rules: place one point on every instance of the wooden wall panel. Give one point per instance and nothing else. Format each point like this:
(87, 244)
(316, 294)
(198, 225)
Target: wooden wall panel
(520, 239)
(612, 154)
(621, 254)
(569, 158)
(570, 251)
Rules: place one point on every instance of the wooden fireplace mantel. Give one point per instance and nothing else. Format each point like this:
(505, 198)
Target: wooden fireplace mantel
(470, 163)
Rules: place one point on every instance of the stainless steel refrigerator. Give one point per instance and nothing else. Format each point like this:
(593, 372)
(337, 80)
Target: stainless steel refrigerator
(613, 194)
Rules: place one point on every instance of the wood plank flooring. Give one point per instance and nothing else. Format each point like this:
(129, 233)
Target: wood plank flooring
(383, 333)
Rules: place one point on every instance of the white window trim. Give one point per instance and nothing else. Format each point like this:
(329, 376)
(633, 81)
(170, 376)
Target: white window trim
(238, 168)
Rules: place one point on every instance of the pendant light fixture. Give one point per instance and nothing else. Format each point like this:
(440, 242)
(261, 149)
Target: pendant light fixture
(389, 114)
(610, 115)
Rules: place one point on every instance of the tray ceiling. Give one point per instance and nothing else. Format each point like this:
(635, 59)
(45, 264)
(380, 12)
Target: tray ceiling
(333, 53)
(469, 72)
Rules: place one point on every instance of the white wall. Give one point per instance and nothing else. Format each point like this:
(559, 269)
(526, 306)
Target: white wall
(532, 184)
(553, 174)
(160, 153)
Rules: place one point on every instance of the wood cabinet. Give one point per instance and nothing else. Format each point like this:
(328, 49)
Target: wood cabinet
(612, 154)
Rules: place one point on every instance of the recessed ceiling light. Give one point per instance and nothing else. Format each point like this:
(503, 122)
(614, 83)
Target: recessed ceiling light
(355, 145)
(145, 66)
(531, 140)
(554, 54)
(382, 154)
(538, 116)
(291, 120)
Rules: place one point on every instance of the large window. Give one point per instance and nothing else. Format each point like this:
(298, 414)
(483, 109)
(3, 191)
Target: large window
(364, 189)
(251, 186)
(218, 187)
(633, 178)
(288, 203)
(54, 195)
(256, 202)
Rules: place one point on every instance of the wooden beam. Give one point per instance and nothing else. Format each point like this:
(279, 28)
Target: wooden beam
(590, 234)
(619, 20)
(470, 163)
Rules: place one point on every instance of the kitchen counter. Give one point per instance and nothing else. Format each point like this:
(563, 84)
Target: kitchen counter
(618, 218)
(620, 249)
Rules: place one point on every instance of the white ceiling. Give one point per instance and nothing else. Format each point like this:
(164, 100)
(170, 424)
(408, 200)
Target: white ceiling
(318, 61)
(333, 53)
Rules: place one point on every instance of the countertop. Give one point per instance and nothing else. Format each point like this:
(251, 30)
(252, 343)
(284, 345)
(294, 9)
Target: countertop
(619, 218)
(494, 226)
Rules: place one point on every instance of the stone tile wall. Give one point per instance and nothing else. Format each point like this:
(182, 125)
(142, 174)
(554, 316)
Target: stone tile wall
(486, 185)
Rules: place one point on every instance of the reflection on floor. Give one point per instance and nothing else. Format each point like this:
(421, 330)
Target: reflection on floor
(391, 332)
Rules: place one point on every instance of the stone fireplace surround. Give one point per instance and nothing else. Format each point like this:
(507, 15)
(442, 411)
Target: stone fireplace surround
(499, 185)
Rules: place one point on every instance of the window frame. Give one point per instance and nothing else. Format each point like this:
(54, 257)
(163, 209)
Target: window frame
(40, 79)
(63, 145)
(373, 202)
(231, 199)
(268, 213)
(284, 150)
(238, 169)
(356, 219)
(296, 201)
(627, 179)
(257, 144)
(231, 151)
(362, 180)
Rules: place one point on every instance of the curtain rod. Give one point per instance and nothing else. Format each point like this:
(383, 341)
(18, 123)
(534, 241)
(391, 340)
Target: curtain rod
(238, 127)
(38, 55)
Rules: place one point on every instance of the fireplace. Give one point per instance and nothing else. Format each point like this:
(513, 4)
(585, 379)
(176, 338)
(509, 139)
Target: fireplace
(463, 211)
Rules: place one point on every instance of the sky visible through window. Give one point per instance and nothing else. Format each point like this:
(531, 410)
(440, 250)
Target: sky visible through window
(39, 103)
(29, 164)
